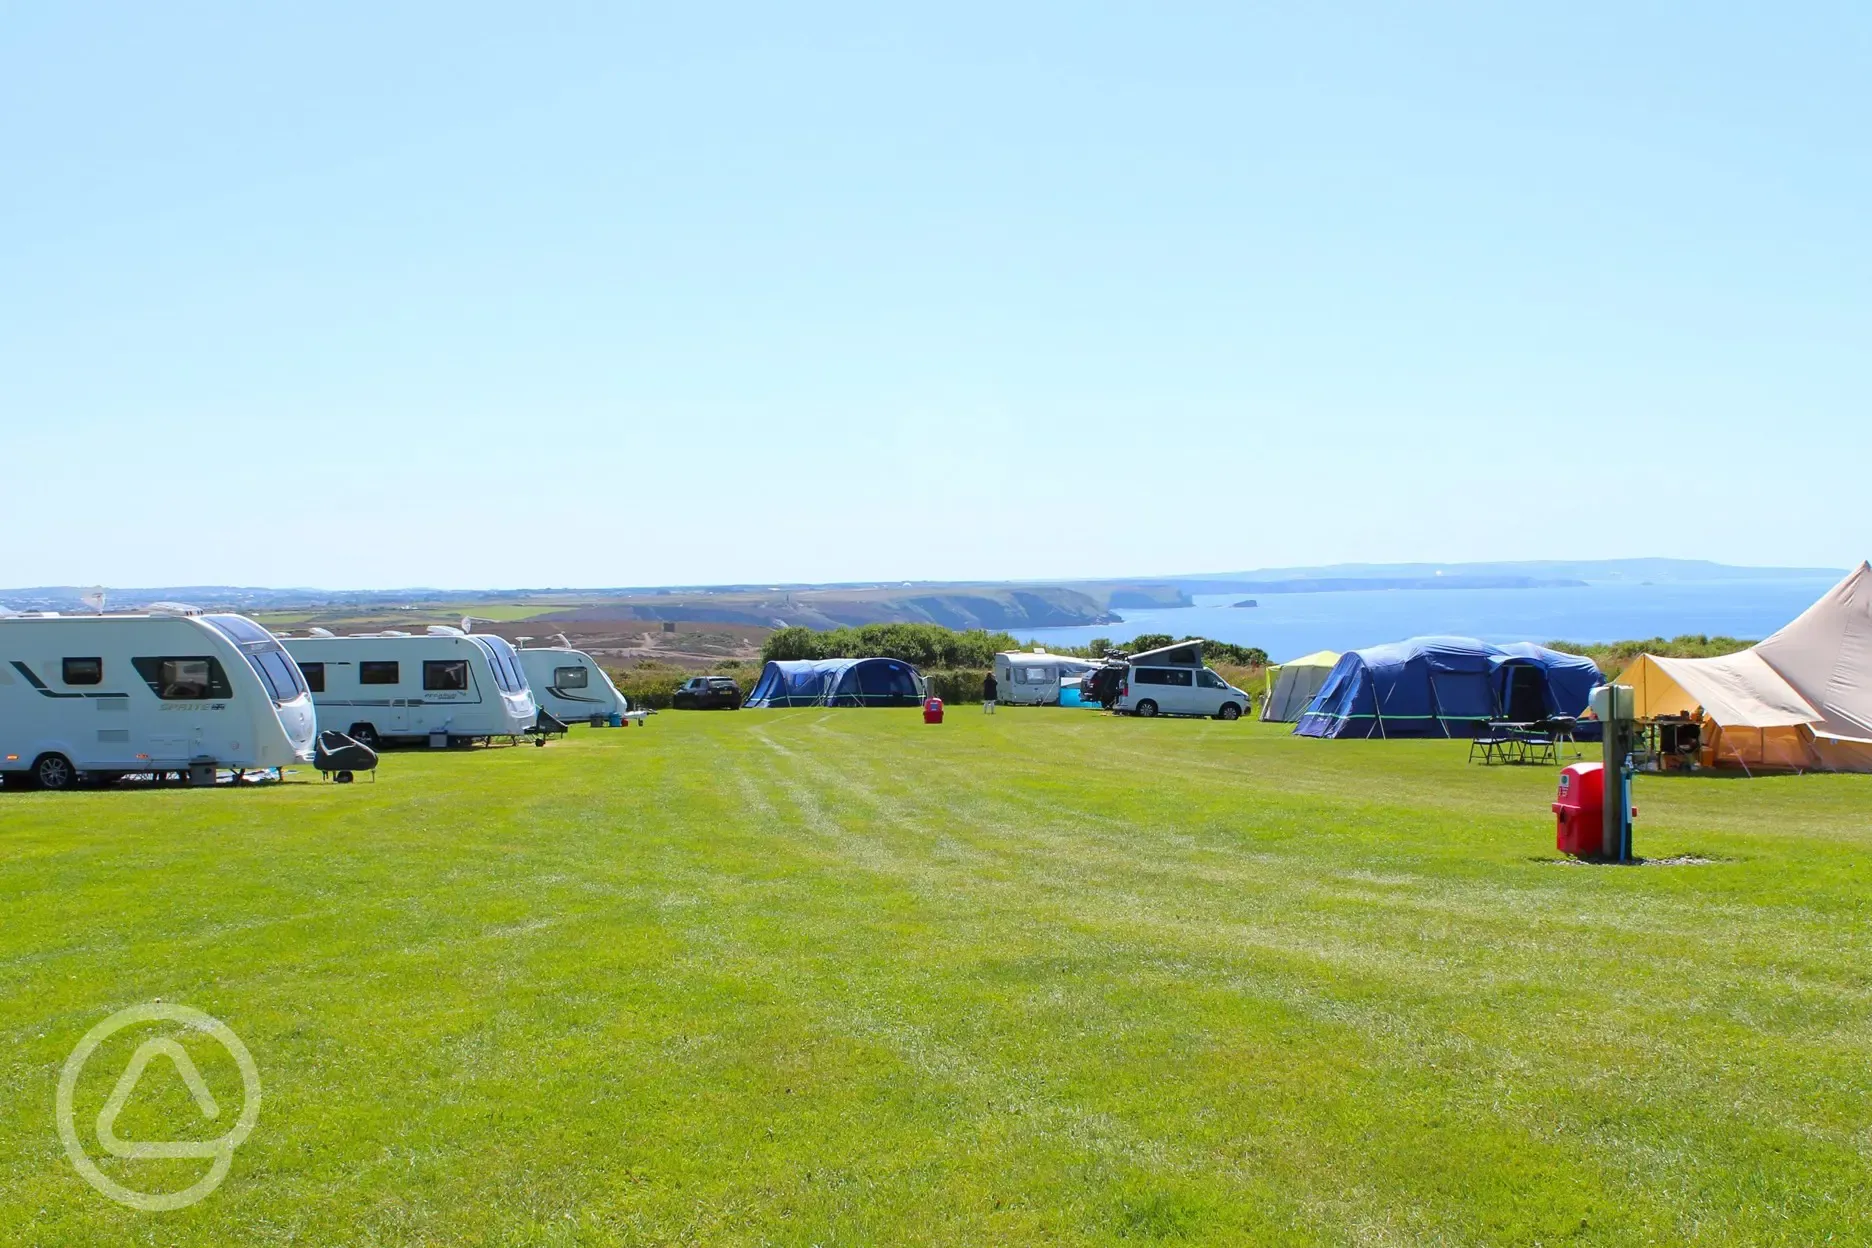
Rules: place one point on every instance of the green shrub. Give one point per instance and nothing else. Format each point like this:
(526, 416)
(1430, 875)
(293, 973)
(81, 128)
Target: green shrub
(653, 685)
(1217, 654)
(956, 685)
(927, 646)
(1614, 657)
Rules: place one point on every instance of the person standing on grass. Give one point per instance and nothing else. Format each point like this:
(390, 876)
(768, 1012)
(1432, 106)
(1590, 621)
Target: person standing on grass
(989, 689)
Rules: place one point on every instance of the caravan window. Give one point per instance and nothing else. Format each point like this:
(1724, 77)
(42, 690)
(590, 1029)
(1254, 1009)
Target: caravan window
(83, 671)
(505, 663)
(264, 654)
(184, 679)
(278, 673)
(445, 675)
(377, 672)
(1032, 676)
(570, 678)
(314, 674)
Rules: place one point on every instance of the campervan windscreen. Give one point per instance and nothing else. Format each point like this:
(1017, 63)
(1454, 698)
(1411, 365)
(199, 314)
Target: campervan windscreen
(504, 661)
(264, 654)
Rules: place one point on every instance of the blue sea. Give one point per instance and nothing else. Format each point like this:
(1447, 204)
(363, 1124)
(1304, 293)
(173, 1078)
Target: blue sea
(1290, 625)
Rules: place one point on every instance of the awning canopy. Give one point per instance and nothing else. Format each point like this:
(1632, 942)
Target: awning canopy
(1736, 690)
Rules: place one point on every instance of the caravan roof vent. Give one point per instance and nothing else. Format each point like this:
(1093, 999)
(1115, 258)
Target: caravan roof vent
(320, 632)
(172, 608)
(445, 630)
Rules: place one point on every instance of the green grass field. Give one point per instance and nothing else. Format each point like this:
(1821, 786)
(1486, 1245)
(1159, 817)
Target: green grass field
(835, 977)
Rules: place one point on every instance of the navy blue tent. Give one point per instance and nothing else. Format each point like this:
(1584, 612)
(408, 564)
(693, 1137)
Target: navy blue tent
(838, 682)
(1445, 687)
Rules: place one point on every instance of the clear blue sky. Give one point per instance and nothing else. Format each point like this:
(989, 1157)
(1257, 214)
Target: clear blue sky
(604, 295)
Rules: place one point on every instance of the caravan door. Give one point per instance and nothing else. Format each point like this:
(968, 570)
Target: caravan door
(382, 700)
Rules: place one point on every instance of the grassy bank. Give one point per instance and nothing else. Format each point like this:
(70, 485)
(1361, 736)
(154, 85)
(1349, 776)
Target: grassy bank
(835, 977)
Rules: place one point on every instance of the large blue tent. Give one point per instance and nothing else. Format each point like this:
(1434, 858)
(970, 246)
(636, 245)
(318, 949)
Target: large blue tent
(1445, 687)
(837, 682)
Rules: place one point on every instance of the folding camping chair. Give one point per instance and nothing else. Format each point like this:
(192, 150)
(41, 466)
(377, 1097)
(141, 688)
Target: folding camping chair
(1497, 744)
(1537, 743)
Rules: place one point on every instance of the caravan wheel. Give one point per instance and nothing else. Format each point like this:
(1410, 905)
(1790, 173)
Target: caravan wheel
(55, 772)
(365, 734)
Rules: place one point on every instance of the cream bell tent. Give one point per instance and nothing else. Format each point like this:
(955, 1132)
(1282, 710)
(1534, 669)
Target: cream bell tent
(1292, 685)
(1801, 699)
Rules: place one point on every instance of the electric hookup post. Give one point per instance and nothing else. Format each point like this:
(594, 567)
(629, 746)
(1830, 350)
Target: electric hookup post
(1613, 704)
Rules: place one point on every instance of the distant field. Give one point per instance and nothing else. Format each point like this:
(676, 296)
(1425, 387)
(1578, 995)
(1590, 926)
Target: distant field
(415, 617)
(613, 637)
(836, 977)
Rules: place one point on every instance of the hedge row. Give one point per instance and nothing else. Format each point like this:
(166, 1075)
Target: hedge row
(957, 684)
(655, 687)
(928, 646)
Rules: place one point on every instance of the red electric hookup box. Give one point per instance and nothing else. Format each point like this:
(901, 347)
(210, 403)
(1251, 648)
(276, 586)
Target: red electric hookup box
(1579, 810)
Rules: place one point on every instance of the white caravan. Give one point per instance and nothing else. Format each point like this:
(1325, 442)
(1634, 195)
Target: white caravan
(1023, 679)
(570, 685)
(446, 684)
(104, 696)
(1173, 681)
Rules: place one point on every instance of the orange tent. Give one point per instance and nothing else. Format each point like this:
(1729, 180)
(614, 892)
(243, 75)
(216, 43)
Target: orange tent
(1801, 699)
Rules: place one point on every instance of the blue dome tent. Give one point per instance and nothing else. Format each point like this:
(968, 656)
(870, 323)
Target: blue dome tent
(838, 682)
(1445, 687)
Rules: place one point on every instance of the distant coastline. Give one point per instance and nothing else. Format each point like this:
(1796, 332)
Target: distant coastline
(1365, 584)
(1018, 606)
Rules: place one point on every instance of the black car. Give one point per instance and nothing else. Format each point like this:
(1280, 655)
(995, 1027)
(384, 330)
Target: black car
(707, 693)
(1101, 684)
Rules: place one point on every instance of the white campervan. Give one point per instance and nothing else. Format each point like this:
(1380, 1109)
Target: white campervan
(1172, 680)
(104, 696)
(1033, 679)
(443, 685)
(570, 685)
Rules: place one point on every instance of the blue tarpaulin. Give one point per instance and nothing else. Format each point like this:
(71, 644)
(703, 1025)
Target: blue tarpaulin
(837, 682)
(1445, 687)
